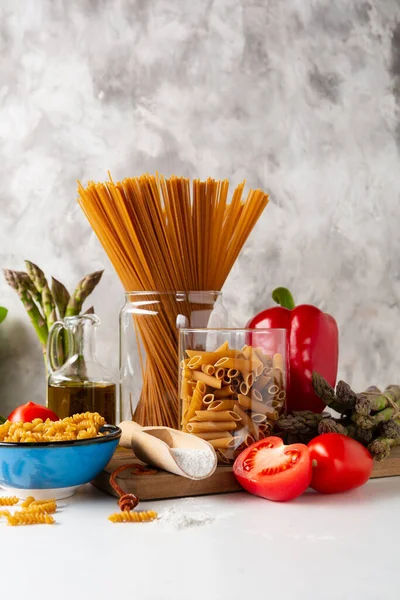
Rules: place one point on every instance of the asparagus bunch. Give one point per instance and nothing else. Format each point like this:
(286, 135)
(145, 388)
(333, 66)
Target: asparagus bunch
(371, 417)
(45, 305)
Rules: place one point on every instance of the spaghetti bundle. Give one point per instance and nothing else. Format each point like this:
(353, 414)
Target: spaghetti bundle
(162, 235)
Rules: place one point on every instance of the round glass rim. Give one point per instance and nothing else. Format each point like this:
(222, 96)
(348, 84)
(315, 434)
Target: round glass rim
(231, 329)
(175, 292)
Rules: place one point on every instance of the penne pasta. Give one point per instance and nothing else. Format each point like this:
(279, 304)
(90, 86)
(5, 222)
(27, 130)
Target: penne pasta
(265, 358)
(212, 435)
(247, 421)
(221, 405)
(281, 395)
(228, 442)
(226, 380)
(258, 418)
(273, 389)
(244, 388)
(220, 373)
(259, 407)
(255, 394)
(277, 374)
(196, 402)
(249, 440)
(224, 392)
(277, 361)
(215, 415)
(208, 369)
(267, 371)
(207, 379)
(208, 399)
(204, 426)
(261, 382)
(249, 379)
(232, 373)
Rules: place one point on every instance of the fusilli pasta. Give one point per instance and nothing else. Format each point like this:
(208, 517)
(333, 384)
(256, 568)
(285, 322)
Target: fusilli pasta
(30, 517)
(8, 500)
(79, 426)
(131, 516)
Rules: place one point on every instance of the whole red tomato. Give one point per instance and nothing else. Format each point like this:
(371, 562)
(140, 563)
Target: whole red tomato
(29, 411)
(271, 470)
(339, 463)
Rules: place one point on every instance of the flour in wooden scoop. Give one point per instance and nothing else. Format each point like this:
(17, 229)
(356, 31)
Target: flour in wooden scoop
(195, 463)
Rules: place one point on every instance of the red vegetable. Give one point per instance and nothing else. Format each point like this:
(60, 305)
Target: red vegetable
(271, 470)
(312, 346)
(341, 463)
(29, 411)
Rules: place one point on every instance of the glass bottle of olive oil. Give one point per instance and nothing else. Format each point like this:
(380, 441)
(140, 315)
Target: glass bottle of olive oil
(77, 382)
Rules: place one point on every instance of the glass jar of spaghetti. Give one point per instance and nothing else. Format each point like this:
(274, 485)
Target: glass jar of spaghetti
(148, 359)
(232, 385)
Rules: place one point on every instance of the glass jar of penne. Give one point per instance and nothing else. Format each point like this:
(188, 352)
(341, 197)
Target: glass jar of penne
(232, 385)
(148, 357)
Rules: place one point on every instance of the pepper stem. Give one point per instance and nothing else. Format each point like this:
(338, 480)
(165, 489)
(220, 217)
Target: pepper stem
(283, 297)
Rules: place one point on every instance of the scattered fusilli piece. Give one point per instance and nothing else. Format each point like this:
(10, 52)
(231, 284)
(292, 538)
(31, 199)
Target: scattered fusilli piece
(43, 506)
(30, 517)
(131, 516)
(5, 513)
(28, 501)
(8, 500)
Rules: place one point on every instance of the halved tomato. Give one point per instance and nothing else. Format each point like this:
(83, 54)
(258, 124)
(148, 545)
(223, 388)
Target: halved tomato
(274, 471)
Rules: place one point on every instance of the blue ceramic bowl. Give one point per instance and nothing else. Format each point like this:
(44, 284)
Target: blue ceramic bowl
(55, 469)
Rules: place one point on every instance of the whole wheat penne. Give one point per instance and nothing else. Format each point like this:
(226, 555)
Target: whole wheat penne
(261, 382)
(221, 405)
(236, 382)
(226, 380)
(211, 435)
(207, 379)
(223, 415)
(224, 392)
(204, 426)
(208, 399)
(258, 418)
(247, 421)
(277, 361)
(228, 442)
(208, 369)
(219, 373)
(281, 395)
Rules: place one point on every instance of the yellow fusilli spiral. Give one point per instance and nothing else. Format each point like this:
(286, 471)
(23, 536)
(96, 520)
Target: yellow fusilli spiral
(5, 513)
(8, 501)
(30, 518)
(79, 426)
(132, 516)
(47, 507)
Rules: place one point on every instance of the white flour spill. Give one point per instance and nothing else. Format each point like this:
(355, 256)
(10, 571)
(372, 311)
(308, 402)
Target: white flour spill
(171, 517)
(196, 463)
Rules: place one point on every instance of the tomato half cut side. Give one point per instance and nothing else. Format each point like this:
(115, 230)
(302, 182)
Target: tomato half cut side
(274, 471)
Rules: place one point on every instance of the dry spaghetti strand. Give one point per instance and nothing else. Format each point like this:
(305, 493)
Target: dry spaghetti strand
(169, 234)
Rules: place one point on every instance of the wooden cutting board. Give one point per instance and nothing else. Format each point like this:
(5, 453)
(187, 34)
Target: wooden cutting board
(160, 485)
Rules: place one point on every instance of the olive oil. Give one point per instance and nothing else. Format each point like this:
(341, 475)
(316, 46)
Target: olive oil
(69, 398)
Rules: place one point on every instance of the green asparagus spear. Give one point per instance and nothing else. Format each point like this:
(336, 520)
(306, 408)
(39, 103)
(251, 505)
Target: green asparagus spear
(38, 322)
(327, 394)
(82, 291)
(40, 282)
(61, 296)
(374, 402)
(380, 447)
(390, 429)
(371, 421)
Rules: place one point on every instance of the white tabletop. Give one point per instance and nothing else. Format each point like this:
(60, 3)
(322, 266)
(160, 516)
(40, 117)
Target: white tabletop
(317, 547)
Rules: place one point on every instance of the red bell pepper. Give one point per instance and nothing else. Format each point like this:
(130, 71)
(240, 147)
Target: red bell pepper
(313, 345)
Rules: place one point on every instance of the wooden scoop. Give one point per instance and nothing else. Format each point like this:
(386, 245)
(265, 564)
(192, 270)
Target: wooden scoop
(152, 445)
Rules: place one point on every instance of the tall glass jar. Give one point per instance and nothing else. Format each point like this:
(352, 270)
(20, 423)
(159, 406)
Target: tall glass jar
(148, 358)
(232, 385)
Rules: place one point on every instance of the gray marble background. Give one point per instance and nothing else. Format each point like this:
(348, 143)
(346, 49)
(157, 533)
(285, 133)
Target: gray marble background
(300, 97)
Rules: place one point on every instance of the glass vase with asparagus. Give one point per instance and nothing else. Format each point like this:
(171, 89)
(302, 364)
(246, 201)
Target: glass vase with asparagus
(46, 304)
